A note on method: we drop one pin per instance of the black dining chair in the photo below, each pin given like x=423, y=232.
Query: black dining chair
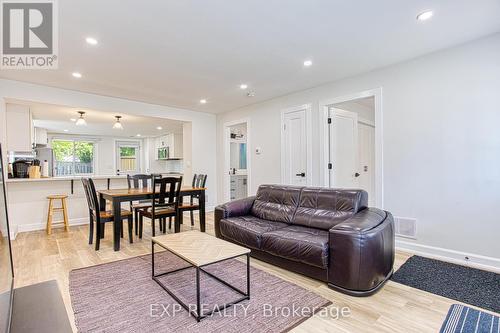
x=139, y=181
x=198, y=181
x=100, y=217
x=164, y=203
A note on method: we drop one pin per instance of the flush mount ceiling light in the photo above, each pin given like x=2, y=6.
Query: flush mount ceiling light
x=243, y=86
x=308, y=63
x=81, y=121
x=159, y=128
x=65, y=130
x=138, y=135
x=203, y=101
x=118, y=124
x=91, y=41
x=77, y=75
x=424, y=16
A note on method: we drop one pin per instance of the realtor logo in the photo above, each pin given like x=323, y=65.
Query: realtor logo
x=29, y=34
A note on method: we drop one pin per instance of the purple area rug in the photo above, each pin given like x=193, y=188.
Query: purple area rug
x=121, y=297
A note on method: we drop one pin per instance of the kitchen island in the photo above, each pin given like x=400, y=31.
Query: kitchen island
x=28, y=205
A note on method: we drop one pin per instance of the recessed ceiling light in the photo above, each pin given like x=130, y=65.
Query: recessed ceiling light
x=243, y=86
x=65, y=130
x=77, y=75
x=203, y=101
x=159, y=128
x=308, y=63
x=424, y=16
x=91, y=40
x=138, y=135
x=73, y=119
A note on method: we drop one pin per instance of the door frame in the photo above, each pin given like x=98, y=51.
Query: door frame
x=379, y=155
x=307, y=108
x=226, y=191
x=132, y=142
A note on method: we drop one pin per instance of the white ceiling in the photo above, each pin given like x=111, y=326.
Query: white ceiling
x=56, y=119
x=177, y=52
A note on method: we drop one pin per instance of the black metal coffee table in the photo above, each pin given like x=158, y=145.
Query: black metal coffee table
x=199, y=250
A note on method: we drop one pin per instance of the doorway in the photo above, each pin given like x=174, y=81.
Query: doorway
x=296, y=150
x=236, y=160
x=352, y=144
x=128, y=157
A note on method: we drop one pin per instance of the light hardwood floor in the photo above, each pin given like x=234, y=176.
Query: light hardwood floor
x=396, y=308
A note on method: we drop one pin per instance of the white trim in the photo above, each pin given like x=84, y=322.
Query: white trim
x=365, y=121
x=379, y=154
x=308, y=108
x=226, y=193
x=455, y=257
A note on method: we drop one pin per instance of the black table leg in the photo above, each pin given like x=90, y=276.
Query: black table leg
x=116, y=223
x=202, y=211
x=198, y=301
x=248, y=275
x=152, y=258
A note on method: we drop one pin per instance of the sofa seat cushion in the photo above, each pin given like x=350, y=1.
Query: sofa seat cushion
x=302, y=244
x=247, y=230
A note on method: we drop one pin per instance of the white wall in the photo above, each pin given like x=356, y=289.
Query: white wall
x=203, y=124
x=441, y=142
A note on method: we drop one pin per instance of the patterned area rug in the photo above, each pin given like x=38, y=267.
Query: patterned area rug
x=121, y=297
x=465, y=284
x=463, y=319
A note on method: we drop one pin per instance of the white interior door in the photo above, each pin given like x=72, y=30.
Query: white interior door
x=344, y=149
x=294, y=148
x=366, y=140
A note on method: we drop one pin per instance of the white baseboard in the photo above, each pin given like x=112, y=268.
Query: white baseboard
x=455, y=257
x=72, y=222
x=41, y=226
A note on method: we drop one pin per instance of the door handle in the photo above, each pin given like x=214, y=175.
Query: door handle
x=356, y=174
x=302, y=174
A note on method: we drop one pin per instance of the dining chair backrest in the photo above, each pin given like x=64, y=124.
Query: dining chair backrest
x=90, y=193
x=199, y=180
x=139, y=181
x=166, y=192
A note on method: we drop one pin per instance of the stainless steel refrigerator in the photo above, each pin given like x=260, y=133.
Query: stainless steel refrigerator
x=46, y=154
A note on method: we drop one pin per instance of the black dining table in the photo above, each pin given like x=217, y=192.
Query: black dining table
x=117, y=196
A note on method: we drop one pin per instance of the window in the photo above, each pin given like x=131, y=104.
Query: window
x=73, y=157
x=127, y=159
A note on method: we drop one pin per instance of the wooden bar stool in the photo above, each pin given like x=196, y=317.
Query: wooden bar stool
x=52, y=209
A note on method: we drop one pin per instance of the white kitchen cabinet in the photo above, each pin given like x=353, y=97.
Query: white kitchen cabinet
x=173, y=142
x=19, y=128
x=41, y=136
x=238, y=186
x=175, y=145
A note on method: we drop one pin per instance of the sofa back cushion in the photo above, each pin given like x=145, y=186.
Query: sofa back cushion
x=324, y=208
x=276, y=202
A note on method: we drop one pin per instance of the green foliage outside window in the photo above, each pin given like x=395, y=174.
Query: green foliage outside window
x=82, y=151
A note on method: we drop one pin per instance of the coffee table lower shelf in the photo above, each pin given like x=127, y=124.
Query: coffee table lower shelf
x=197, y=313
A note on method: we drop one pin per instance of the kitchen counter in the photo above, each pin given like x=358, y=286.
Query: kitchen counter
x=27, y=198
x=69, y=178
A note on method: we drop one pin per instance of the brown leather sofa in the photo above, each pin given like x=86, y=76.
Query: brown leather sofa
x=327, y=234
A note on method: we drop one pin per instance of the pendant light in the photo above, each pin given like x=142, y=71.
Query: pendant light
x=81, y=121
x=118, y=125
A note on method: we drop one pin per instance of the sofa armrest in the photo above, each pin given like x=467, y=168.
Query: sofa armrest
x=361, y=252
x=234, y=208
